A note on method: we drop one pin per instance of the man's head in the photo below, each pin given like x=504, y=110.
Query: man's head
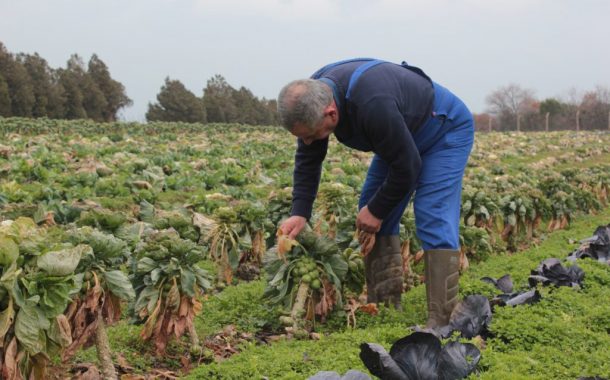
x=307, y=109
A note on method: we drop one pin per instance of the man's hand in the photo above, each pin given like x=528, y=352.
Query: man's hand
x=293, y=225
x=367, y=222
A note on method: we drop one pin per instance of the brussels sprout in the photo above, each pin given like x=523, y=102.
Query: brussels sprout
x=306, y=279
x=196, y=350
x=316, y=284
x=286, y=320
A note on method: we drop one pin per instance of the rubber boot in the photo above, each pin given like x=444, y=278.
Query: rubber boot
x=442, y=278
x=383, y=271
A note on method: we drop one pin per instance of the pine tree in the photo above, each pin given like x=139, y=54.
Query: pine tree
x=41, y=78
x=19, y=84
x=70, y=79
x=5, y=98
x=218, y=101
x=176, y=103
x=113, y=91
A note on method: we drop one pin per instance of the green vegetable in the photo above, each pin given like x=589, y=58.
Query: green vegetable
x=9, y=251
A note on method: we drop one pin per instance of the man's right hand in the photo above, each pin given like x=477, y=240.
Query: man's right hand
x=293, y=226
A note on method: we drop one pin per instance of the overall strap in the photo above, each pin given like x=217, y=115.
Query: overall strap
x=358, y=72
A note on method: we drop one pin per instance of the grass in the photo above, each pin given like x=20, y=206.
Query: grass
x=565, y=336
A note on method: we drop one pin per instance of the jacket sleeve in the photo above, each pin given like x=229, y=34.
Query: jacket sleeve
x=306, y=178
x=392, y=141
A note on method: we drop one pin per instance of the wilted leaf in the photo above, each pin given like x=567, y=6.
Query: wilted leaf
x=10, y=369
x=60, y=331
x=366, y=241
x=369, y=308
x=6, y=319
x=119, y=285
x=285, y=244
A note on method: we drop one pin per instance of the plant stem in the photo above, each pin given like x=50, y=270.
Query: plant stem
x=104, y=354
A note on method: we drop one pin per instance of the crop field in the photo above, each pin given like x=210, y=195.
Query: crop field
x=150, y=251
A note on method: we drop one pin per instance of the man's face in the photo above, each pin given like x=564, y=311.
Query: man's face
x=321, y=131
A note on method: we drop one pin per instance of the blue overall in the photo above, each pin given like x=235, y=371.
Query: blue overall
x=444, y=143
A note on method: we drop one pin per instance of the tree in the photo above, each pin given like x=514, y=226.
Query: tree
x=551, y=106
x=18, y=83
x=511, y=102
x=57, y=97
x=219, y=102
x=113, y=91
x=70, y=79
x=176, y=103
x=595, y=108
x=5, y=98
x=41, y=77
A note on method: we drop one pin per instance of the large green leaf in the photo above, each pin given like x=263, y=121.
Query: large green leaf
x=202, y=277
x=64, y=262
x=30, y=326
x=146, y=264
x=119, y=285
x=9, y=250
x=54, y=296
x=9, y=276
x=339, y=265
x=187, y=281
x=147, y=298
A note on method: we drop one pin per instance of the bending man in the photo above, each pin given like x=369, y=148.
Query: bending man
x=421, y=135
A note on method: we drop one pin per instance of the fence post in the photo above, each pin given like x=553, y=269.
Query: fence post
x=518, y=123
x=489, y=122
x=577, y=120
x=546, y=122
x=609, y=121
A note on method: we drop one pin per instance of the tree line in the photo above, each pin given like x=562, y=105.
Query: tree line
x=513, y=107
x=220, y=103
x=29, y=87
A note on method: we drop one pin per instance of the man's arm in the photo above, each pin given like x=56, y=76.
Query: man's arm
x=392, y=141
x=306, y=178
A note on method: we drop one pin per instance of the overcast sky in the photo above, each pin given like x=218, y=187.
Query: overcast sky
x=471, y=46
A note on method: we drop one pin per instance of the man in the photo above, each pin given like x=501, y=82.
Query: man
x=421, y=135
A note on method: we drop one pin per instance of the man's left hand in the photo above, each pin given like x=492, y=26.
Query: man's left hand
x=367, y=222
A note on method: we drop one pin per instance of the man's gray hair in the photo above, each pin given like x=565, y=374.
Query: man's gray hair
x=303, y=101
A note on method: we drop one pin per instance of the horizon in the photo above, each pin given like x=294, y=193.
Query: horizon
x=472, y=47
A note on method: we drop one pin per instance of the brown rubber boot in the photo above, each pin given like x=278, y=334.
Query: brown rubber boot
x=383, y=271
x=442, y=278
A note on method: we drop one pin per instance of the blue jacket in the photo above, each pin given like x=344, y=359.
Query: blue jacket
x=386, y=105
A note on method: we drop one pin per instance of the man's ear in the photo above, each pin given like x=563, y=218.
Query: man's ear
x=332, y=111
